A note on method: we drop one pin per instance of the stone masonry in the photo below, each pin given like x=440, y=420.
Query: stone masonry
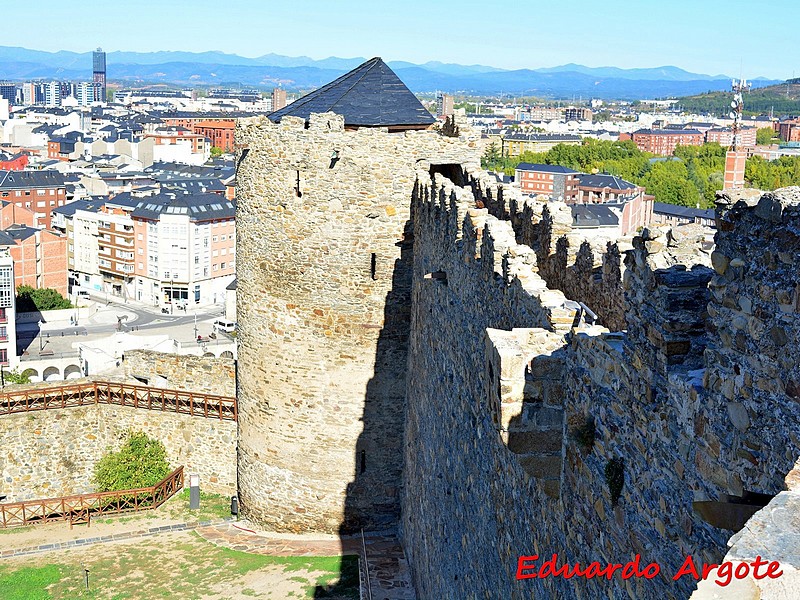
x=428, y=360
x=324, y=274
x=52, y=453
x=648, y=398
x=205, y=374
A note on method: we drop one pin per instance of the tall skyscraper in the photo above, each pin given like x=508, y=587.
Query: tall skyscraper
x=99, y=74
x=8, y=90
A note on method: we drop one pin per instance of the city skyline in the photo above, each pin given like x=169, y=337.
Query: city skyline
x=464, y=33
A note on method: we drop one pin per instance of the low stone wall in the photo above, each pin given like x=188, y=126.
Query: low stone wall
x=181, y=372
x=52, y=453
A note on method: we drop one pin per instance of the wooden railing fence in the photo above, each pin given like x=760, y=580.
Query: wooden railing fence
x=66, y=508
x=122, y=394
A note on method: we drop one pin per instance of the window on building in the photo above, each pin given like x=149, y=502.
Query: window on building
x=3, y=357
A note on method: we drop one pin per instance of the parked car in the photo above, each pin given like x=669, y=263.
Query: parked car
x=224, y=325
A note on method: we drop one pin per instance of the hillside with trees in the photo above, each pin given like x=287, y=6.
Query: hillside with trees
x=781, y=99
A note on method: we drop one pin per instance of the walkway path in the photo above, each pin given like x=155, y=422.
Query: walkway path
x=388, y=569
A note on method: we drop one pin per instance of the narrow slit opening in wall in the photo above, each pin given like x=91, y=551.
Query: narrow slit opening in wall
x=437, y=276
x=373, y=266
x=363, y=465
x=298, y=192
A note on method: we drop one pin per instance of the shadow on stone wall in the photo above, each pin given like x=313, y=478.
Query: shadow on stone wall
x=372, y=503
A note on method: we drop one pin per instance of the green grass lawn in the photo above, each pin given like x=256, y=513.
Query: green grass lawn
x=161, y=568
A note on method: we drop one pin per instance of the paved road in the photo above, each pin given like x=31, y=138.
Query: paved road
x=128, y=316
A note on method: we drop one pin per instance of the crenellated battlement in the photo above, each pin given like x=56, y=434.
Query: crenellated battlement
x=473, y=243
x=645, y=405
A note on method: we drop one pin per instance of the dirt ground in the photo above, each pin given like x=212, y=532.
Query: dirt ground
x=179, y=565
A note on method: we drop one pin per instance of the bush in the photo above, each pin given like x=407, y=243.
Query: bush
x=14, y=376
x=30, y=299
x=141, y=462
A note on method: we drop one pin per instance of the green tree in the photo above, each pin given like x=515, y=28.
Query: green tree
x=30, y=299
x=15, y=376
x=764, y=135
x=491, y=159
x=216, y=151
x=141, y=462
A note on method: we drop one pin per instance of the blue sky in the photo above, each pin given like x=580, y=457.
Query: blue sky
x=696, y=35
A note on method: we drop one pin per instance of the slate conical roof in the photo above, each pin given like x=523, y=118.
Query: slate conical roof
x=371, y=95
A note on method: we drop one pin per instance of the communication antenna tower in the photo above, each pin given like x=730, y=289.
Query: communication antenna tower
x=738, y=86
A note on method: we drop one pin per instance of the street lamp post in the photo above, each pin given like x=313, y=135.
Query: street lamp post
x=171, y=295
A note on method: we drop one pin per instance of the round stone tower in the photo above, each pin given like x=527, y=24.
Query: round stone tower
x=323, y=302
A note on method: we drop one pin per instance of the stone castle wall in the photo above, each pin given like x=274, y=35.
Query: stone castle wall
x=654, y=398
x=587, y=270
x=526, y=431
x=203, y=374
x=52, y=453
x=324, y=271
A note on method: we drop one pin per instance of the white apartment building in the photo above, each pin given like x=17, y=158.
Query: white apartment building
x=8, y=332
x=164, y=249
x=185, y=248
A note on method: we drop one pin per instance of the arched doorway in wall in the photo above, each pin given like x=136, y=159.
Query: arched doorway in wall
x=32, y=375
x=51, y=374
x=72, y=372
x=226, y=354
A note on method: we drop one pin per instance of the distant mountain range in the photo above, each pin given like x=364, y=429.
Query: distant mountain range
x=302, y=73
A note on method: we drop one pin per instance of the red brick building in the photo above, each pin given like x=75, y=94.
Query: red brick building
x=38, y=191
x=40, y=257
x=559, y=183
x=628, y=200
x=16, y=162
x=724, y=137
x=789, y=130
x=10, y=214
x=664, y=141
x=219, y=131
